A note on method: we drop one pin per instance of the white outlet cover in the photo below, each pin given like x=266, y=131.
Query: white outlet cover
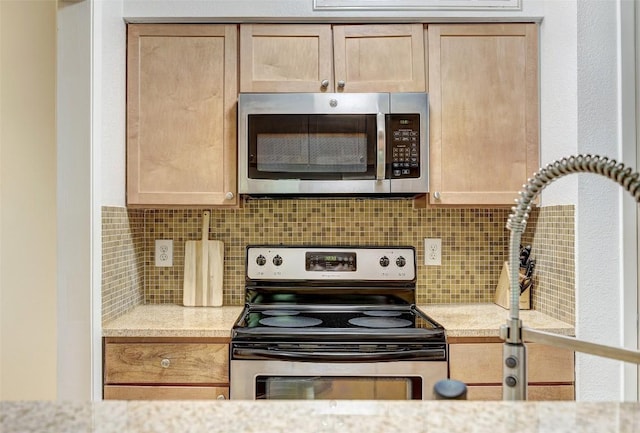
x=164, y=253
x=432, y=252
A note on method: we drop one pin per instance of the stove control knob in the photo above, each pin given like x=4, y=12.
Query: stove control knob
x=384, y=261
x=261, y=260
x=277, y=260
x=401, y=261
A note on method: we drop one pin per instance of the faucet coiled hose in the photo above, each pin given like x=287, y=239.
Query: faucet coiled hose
x=517, y=220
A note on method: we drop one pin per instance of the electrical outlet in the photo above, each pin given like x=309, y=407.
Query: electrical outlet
x=164, y=252
x=432, y=252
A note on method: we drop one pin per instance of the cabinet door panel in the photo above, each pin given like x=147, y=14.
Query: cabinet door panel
x=476, y=363
x=285, y=58
x=380, y=58
x=483, y=88
x=182, y=87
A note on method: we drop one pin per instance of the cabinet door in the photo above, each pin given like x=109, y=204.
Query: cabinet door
x=285, y=58
x=483, y=91
x=181, y=115
x=379, y=58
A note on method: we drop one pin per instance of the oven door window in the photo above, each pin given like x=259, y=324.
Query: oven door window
x=338, y=388
x=312, y=147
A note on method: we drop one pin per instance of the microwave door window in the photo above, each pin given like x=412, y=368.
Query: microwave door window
x=310, y=147
x=277, y=144
x=343, y=145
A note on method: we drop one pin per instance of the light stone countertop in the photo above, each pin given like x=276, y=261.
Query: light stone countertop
x=168, y=320
x=342, y=416
x=484, y=320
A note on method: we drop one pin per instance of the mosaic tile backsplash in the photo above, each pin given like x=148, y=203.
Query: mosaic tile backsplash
x=474, y=246
x=122, y=260
x=551, y=234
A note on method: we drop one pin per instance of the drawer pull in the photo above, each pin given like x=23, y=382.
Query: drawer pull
x=165, y=363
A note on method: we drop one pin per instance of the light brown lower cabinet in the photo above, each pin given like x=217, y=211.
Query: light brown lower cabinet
x=550, y=370
x=166, y=369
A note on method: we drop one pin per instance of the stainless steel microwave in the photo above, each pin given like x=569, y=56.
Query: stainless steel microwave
x=336, y=144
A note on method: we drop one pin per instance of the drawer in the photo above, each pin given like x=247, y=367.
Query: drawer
x=129, y=392
x=166, y=363
x=482, y=363
x=535, y=392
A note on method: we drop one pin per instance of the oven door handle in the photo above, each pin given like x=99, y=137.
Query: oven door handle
x=426, y=354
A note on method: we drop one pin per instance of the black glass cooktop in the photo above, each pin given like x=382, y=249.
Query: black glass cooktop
x=339, y=322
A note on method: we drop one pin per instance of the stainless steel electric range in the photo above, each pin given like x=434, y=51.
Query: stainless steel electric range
x=334, y=323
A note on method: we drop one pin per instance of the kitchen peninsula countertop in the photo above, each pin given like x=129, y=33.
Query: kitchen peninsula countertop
x=318, y=416
x=168, y=320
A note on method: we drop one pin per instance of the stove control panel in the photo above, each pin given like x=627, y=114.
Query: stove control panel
x=334, y=263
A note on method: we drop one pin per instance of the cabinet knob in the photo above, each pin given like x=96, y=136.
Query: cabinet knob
x=221, y=397
x=229, y=196
x=341, y=84
x=165, y=363
x=324, y=84
x=436, y=195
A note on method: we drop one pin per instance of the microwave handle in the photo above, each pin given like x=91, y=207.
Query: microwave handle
x=381, y=153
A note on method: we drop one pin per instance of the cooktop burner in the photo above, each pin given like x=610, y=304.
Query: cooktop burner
x=290, y=321
x=379, y=322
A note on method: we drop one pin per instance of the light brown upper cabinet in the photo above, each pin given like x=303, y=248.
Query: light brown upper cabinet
x=483, y=91
x=326, y=58
x=181, y=114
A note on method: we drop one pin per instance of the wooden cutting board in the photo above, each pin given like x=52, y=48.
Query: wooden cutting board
x=203, y=270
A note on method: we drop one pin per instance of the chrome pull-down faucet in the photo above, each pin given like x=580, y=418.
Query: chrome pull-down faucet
x=514, y=385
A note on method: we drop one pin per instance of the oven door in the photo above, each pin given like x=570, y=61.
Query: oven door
x=270, y=380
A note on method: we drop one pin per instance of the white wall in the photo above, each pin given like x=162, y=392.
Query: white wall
x=28, y=200
x=110, y=40
x=579, y=113
x=558, y=95
x=598, y=215
x=78, y=296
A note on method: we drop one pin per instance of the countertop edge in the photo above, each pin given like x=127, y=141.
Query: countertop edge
x=171, y=320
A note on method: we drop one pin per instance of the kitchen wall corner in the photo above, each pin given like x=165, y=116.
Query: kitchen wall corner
x=122, y=260
x=551, y=234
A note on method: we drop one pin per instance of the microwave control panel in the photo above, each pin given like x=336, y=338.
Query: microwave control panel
x=403, y=146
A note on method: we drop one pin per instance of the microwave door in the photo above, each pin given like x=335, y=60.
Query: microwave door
x=315, y=154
